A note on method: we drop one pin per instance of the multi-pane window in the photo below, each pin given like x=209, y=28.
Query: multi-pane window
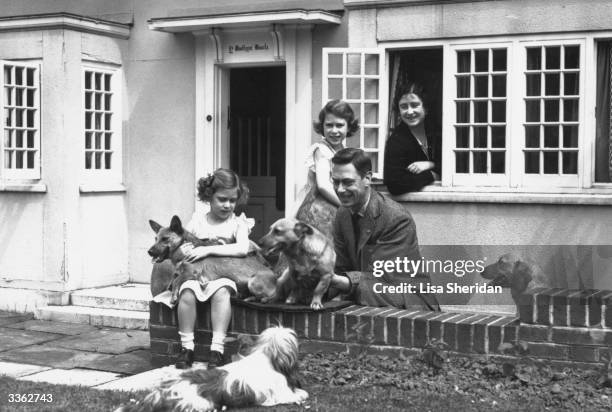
x=355, y=76
x=552, y=97
x=21, y=126
x=99, y=123
x=480, y=105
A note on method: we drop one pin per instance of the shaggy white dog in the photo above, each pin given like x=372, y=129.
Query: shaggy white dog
x=267, y=377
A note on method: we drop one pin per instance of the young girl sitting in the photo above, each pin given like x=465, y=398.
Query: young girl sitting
x=222, y=190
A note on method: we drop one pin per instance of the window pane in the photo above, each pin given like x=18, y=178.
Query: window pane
x=88, y=140
x=499, y=86
x=19, y=138
x=532, y=110
x=30, y=159
x=463, y=61
x=98, y=101
x=30, y=117
x=570, y=163
x=551, y=163
x=19, y=96
x=8, y=74
x=570, y=86
x=572, y=57
x=334, y=64
x=8, y=159
x=533, y=84
x=30, y=76
x=107, y=100
x=480, y=136
x=498, y=111
x=353, y=63
x=480, y=162
x=462, y=137
x=88, y=76
x=88, y=160
x=8, y=137
x=98, y=81
x=498, y=136
x=371, y=113
x=107, y=160
x=551, y=110
x=532, y=162
x=30, y=97
x=481, y=112
x=552, y=86
x=98, y=160
x=371, y=64
x=107, y=121
x=553, y=57
x=462, y=160
x=19, y=76
x=371, y=88
x=570, y=110
x=31, y=137
x=19, y=118
x=498, y=162
x=370, y=137
x=551, y=136
x=88, y=121
x=481, y=60
x=18, y=160
x=374, y=158
x=463, y=112
x=570, y=136
x=532, y=136
x=8, y=96
x=356, y=109
x=534, y=58
x=463, y=86
x=88, y=98
x=353, y=89
x=481, y=86
x=107, y=141
x=334, y=89
x=499, y=60
x=98, y=141
x=107, y=82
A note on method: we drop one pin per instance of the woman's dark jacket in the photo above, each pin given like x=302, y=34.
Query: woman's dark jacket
x=401, y=150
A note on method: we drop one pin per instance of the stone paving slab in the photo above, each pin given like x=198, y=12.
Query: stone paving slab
x=82, y=377
x=127, y=363
x=107, y=341
x=15, y=370
x=17, y=338
x=7, y=318
x=52, y=356
x=147, y=380
x=63, y=328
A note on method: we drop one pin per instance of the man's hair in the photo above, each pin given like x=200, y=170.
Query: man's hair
x=356, y=157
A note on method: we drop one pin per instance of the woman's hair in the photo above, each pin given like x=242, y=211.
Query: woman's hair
x=222, y=179
x=411, y=88
x=338, y=108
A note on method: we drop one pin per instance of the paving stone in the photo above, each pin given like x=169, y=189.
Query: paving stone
x=82, y=377
x=63, y=328
x=16, y=338
x=127, y=363
x=147, y=380
x=15, y=370
x=47, y=355
x=107, y=341
x=8, y=318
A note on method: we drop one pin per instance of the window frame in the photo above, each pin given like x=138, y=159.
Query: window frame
x=586, y=159
x=115, y=173
x=35, y=172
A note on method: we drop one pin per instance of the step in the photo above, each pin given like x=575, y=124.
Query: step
x=116, y=318
x=130, y=296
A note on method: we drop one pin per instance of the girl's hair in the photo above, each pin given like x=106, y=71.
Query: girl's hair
x=222, y=179
x=338, y=108
x=411, y=88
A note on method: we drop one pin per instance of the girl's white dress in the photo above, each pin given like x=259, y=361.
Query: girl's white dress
x=226, y=232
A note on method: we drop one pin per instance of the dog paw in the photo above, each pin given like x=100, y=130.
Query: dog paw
x=301, y=395
x=316, y=305
x=290, y=300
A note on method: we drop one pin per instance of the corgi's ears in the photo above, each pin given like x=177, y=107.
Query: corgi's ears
x=154, y=225
x=302, y=229
x=176, y=225
x=521, y=275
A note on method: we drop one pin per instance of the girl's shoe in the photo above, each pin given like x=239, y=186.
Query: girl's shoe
x=185, y=359
x=215, y=359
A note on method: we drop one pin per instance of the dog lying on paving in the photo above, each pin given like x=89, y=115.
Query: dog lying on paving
x=310, y=257
x=520, y=276
x=251, y=274
x=266, y=377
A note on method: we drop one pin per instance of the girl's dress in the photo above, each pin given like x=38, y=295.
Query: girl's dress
x=315, y=209
x=226, y=233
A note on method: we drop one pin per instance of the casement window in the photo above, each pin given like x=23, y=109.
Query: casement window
x=102, y=131
x=20, y=146
x=514, y=113
x=356, y=76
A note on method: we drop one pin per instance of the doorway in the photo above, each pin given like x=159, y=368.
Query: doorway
x=256, y=124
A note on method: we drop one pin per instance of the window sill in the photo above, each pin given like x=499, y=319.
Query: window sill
x=102, y=188
x=436, y=193
x=23, y=187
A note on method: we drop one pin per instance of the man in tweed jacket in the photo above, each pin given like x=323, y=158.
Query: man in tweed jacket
x=370, y=228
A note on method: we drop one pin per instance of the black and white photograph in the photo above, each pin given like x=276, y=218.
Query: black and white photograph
x=291, y=205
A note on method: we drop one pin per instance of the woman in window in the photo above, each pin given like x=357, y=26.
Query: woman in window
x=336, y=122
x=412, y=152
